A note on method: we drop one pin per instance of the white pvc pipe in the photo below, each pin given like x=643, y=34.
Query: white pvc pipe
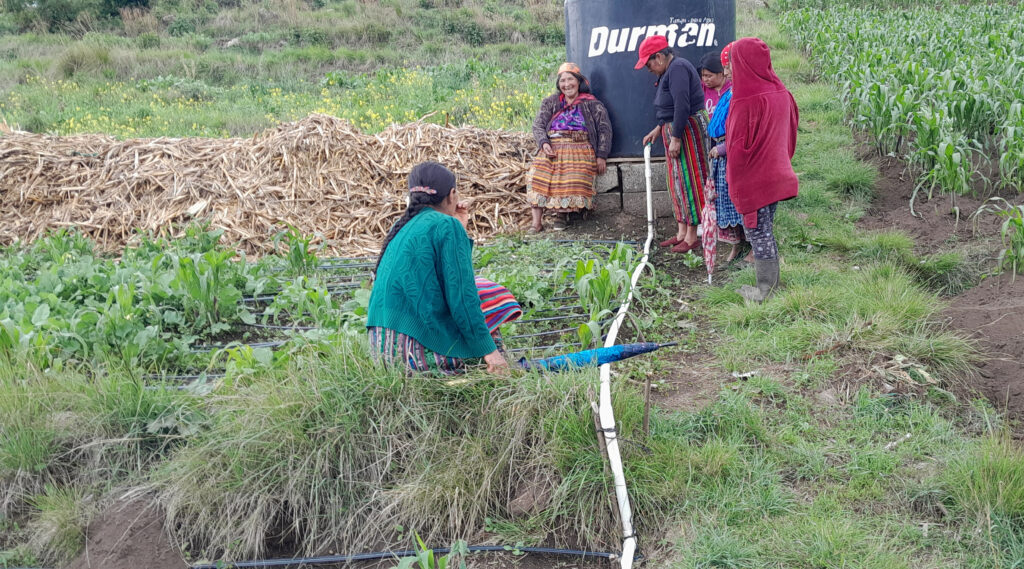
x=606, y=414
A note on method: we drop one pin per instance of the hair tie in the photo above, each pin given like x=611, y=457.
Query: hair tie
x=422, y=189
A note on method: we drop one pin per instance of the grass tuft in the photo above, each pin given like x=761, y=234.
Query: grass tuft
x=336, y=444
x=853, y=179
x=990, y=481
x=58, y=529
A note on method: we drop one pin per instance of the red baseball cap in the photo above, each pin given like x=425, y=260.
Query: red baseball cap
x=726, y=51
x=649, y=47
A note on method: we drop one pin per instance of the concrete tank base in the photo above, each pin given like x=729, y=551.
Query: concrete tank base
x=623, y=188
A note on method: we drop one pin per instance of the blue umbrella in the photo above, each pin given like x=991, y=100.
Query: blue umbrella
x=595, y=357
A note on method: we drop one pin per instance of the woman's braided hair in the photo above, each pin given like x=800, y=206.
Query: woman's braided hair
x=429, y=184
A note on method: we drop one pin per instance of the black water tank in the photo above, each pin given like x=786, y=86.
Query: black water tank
x=602, y=37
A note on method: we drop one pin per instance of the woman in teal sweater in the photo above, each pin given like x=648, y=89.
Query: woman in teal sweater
x=424, y=310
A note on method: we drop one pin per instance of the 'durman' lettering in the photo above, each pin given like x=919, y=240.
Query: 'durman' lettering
x=604, y=40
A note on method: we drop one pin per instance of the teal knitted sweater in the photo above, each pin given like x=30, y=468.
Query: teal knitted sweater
x=425, y=288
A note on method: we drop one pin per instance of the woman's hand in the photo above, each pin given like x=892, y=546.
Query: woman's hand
x=548, y=151
x=675, y=145
x=602, y=165
x=462, y=214
x=714, y=152
x=496, y=363
x=653, y=135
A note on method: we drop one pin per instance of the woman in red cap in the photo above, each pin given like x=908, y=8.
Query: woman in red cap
x=574, y=137
x=760, y=143
x=682, y=126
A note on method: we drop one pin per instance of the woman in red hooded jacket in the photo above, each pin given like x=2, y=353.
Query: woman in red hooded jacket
x=760, y=144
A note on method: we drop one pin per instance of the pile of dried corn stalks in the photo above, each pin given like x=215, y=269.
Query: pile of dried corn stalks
x=319, y=175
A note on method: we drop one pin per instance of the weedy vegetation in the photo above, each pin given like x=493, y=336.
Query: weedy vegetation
x=241, y=395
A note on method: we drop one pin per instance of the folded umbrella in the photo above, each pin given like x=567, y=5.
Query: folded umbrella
x=595, y=357
x=709, y=222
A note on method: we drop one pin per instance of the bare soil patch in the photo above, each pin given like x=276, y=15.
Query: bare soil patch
x=993, y=314
x=941, y=222
x=691, y=384
x=993, y=311
x=128, y=535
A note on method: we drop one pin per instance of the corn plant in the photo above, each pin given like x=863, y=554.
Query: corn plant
x=209, y=293
x=601, y=287
x=1012, y=232
x=946, y=98
x=426, y=559
x=1011, y=149
x=300, y=254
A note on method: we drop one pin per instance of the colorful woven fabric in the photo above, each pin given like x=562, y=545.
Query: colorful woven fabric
x=397, y=349
x=498, y=304
x=687, y=172
x=727, y=214
x=569, y=119
x=565, y=182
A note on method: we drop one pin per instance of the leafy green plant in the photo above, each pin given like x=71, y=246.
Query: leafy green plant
x=1012, y=232
x=946, y=103
x=210, y=295
x=426, y=559
x=300, y=255
x=600, y=285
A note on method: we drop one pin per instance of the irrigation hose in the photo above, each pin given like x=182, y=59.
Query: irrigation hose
x=399, y=554
x=606, y=413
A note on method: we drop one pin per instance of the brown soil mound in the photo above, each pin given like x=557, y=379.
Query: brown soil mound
x=128, y=536
x=319, y=175
x=940, y=222
x=993, y=312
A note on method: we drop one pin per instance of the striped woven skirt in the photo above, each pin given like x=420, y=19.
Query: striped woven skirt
x=566, y=182
x=688, y=171
x=730, y=223
x=498, y=304
x=398, y=349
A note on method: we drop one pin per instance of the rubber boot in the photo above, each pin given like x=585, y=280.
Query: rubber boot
x=767, y=281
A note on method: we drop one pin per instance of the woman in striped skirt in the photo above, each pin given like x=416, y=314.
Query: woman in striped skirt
x=682, y=127
x=427, y=311
x=574, y=137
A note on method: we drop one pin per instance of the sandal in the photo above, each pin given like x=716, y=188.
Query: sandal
x=670, y=242
x=534, y=230
x=684, y=247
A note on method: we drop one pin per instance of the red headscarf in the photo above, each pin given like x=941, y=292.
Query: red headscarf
x=761, y=129
x=725, y=54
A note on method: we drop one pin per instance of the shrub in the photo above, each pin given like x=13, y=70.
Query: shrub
x=137, y=21
x=83, y=57
x=462, y=23
x=148, y=40
x=310, y=36
x=55, y=14
x=113, y=7
x=550, y=34
x=8, y=24
x=181, y=26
